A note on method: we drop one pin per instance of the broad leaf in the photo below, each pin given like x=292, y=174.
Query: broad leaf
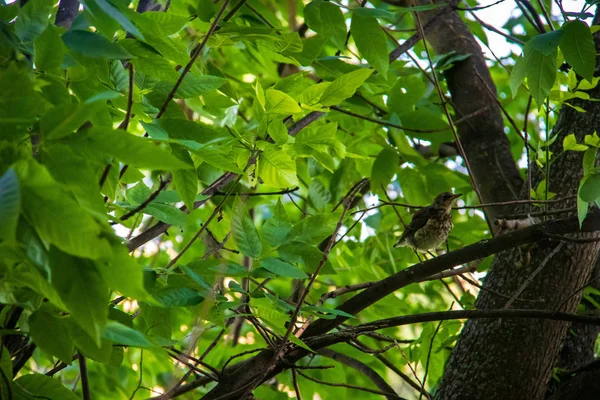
x=282, y=268
x=244, y=232
x=36, y=386
x=344, y=87
x=577, y=45
x=370, y=41
x=384, y=168
x=51, y=334
x=276, y=168
x=124, y=335
x=93, y=45
x=82, y=290
x=280, y=103
x=277, y=226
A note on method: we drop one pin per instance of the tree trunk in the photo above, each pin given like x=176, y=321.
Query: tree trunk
x=514, y=359
x=474, y=93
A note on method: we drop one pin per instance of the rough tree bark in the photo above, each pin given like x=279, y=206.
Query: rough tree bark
x=472, y=89
x=514, y=359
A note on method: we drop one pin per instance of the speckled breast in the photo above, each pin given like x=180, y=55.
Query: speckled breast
x=433, y=234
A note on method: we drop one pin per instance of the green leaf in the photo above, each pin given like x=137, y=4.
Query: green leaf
x=577, y=45
x=39, y=386
x=590, y=189
x=133, y=150
x=33, y=19
x=197, y=85
x=82, y=290
x=518, y=74
x=384, y=168
x=592, y=140
x=314, y=229
x=186, y=180
x=44, y=202
x=93, y=45
x=582, y=206
x=282, y=268
x=276, y=168
x=281, y=103
x=244, y=232
x=278, y=132
x=319, y=195
x=168, y=214
x=156, y=321
x=277, y=226
x=205, y=10
x=195, y=277
x=312, y=94
x=10, y=204
x=118, y=16
x=178, y=297
x=344, y=87
x=332, y=25
x=370, y=41
x=51, y=334
x=546, y=43
x=49, y=50
x=124, y=335
x=541, y=74
x=89, y=347
x=64, y=119
x=308, y=255
x=124, y=274
x=570, y=143
x=405, y=94
x=538, y=64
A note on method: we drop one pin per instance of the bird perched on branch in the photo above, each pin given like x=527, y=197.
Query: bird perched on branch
x=431, y=225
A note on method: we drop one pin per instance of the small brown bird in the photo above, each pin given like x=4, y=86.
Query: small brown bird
x=431, y=225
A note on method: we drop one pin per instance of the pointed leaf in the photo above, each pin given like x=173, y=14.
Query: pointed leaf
x=370, y=41
x=577, y=45
x=281, y=103
x=277, y=226
x=282, y=268
x=93, y=45
x=277, y=169
x=124, y=335
x=244, y=232
x=344, y=87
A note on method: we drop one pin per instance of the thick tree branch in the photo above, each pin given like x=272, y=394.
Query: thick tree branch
x=240, y=375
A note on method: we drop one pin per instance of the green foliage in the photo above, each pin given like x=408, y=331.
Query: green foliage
x=109, y=139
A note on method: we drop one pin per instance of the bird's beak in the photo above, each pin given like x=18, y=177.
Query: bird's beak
x=456, y=196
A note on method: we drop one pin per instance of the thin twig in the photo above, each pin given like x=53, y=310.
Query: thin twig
x=533, y=275
x=348, y=386
x=437, y=329
x=385, y=123
x=153, y=195
x=251, y=194
x=139, y=385
x=203, y=227
x=576, y=291
x=343, y=290
x=459, y=146
x=484, y=205
x=195, y=54
x=85, y=383
x=296, y=387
